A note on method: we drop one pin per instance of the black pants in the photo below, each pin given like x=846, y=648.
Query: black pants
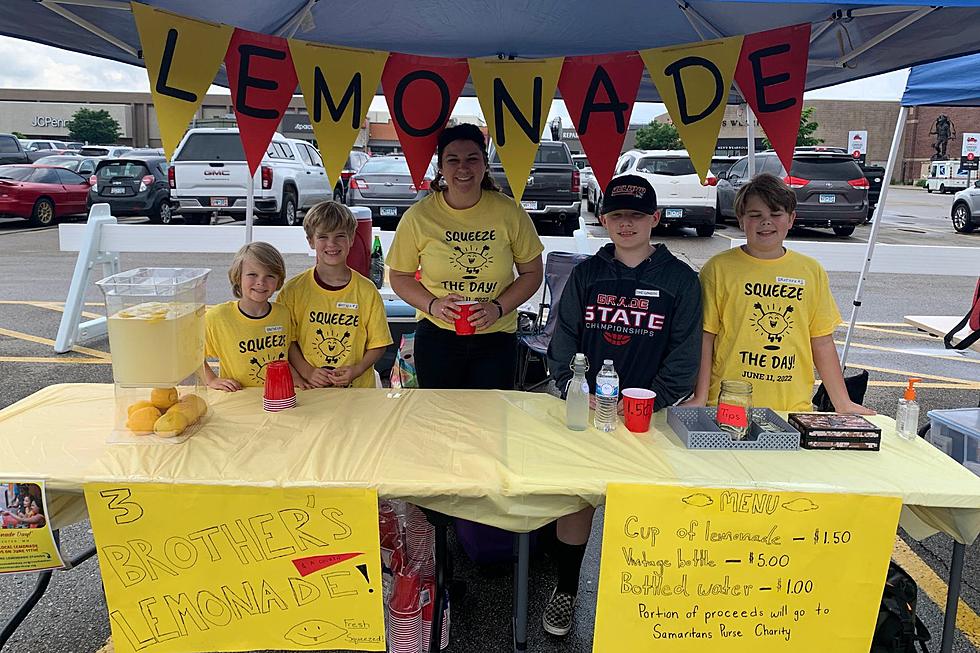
x=444, y=360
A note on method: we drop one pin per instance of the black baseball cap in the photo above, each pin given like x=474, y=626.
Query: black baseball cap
x=631, y=193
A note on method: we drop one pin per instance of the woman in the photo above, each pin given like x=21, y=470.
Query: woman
x=468, y=237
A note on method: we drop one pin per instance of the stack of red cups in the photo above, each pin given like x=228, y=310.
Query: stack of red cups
x=280, y=393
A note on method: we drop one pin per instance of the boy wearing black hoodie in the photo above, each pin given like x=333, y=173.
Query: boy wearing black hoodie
x=640, y=306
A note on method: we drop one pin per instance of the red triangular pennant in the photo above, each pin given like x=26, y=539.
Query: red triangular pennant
x=599, y=92
x=771, y=74
x=263, y=80
x=421, y=93
x=308, y=565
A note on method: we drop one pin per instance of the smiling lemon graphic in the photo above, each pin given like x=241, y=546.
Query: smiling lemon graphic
x=314, y=632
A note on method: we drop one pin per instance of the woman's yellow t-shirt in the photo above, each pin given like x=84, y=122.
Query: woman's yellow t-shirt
x=470, y=252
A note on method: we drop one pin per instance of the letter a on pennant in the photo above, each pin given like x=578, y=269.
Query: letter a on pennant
x=338, y=86
x=182, y=56
x=421, y=93
x=771, y=73
x=599, y=93
x=693, y=81
x=515, y=97
x=262, y=79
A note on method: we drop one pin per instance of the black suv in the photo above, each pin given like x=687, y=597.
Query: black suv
x=553, y=193
x=831, y=190
x=133, y=186
x=11, y=151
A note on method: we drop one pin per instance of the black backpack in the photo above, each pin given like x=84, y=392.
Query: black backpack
x=898, y=628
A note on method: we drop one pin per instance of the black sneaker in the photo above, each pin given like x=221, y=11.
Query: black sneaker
x=558, y=613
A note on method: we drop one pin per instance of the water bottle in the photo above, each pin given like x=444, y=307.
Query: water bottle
x=606, y=397
x=377, y=263
x=577, y=399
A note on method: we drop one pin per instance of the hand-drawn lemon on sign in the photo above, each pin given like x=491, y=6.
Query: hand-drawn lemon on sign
x=314, y=632
x=698, y=500
x=800, y=505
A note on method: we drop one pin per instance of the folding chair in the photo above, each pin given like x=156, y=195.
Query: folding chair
x=536, y=339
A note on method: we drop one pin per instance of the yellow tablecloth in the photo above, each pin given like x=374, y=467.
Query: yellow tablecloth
x=502, y=458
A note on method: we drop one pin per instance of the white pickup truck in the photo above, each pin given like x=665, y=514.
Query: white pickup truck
x=209, y=177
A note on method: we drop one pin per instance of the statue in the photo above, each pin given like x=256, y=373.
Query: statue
x=556, y=128
x=945, y=131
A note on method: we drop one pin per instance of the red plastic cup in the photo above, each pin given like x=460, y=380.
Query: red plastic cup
x=278, y=382
x=463, y=326
x=637, y=408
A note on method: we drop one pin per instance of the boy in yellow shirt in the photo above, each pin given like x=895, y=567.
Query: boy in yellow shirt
x=248, y=334
x=337, y=314
x=769, y=316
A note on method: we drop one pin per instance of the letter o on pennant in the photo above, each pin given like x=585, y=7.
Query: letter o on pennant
x=399, y=103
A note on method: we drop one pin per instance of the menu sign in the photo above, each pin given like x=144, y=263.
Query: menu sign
x=695, y=569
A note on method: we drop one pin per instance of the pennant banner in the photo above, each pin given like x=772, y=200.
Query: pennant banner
x=599, y=93
x=515, y=97
x=338, y=86
x=421, y=93
x=182, y=56
x=693, y=81
x=771, y=73
x=262, y=79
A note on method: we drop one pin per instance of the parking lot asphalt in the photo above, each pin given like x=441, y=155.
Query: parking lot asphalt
x=34, y=279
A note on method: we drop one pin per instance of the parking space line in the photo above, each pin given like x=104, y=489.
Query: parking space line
x=934, y=386
x=45, y=341
x=60, y=308
x=67, y=359
x=894, y=350
x=935, y=588
x=966, y=384
x=906, y=334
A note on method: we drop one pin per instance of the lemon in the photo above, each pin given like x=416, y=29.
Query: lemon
x=170, y=425
x=139, y=404
x=163, y=398
x=195, y=404
x=141, y=421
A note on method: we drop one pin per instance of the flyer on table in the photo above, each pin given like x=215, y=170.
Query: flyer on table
x=222, y=568
x=709, y=569
x=26, y=540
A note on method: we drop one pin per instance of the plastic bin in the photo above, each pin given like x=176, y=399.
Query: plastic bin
x=957, y=433
x=155, y=321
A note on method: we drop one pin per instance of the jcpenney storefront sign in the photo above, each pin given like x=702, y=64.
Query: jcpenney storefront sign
x=49, y=121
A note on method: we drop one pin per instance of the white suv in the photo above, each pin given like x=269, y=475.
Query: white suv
x=209, y=176
x=681, y=198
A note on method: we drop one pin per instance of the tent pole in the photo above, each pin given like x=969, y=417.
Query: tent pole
x=875, y=225
x=249, y=209
x=750, y=138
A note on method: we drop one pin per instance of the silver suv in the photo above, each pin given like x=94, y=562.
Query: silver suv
x=966, y=209
x=831, y=190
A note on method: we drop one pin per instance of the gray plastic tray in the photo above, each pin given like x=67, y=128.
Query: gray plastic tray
x=697, y=429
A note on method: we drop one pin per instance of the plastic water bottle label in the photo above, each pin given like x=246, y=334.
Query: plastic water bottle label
x=607, y=390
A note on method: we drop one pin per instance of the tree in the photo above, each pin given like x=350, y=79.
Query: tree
x=805, y=135
x=19, y=135
x=658, y=136
x=91, y=126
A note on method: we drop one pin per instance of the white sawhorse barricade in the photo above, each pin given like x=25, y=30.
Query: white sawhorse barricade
x=102, y=239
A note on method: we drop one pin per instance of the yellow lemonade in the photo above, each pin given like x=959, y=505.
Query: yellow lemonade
x=156, y=342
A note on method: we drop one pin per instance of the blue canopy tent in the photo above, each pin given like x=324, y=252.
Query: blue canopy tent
x=950, y=83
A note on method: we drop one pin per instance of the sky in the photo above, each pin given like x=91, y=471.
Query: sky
x=35, y=66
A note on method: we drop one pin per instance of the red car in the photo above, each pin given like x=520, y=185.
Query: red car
x=41, y=194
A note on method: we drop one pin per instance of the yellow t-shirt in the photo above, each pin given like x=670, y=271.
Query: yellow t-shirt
x=335, y=327
x=471, y=251
x=245, y=345
x=763, y=314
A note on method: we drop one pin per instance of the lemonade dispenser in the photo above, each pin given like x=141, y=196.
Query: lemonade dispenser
x=155, y=320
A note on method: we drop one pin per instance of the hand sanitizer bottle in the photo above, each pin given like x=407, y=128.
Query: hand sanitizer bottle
x=907, y=417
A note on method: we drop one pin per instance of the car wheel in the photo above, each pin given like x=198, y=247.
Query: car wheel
x=338, y=196
x=705, y=230
x=843, y=230
x=43, y=213
x=942, y=189
x=162, y=213
x=287, y=214
x=962, y=220
x=929, y=189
